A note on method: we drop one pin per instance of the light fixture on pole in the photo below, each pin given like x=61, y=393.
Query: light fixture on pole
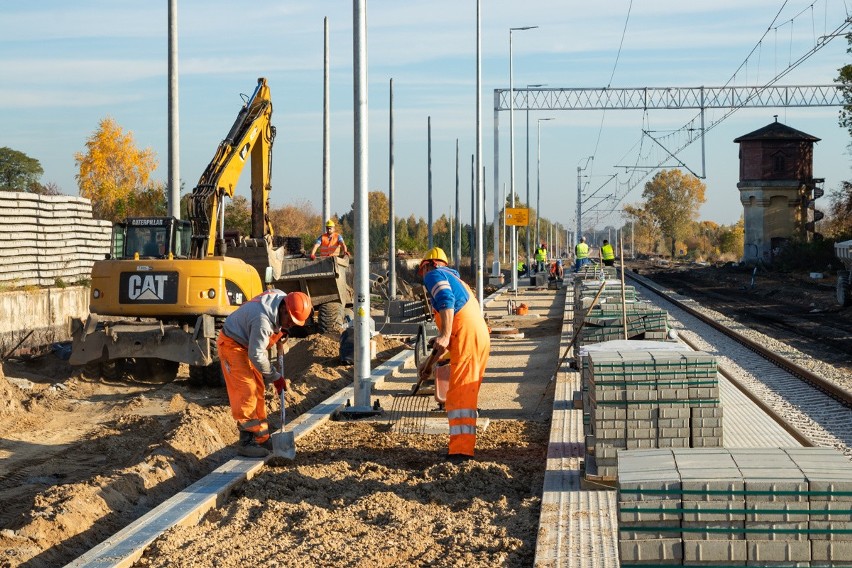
x=514, y=243
x=527, y=232
x=538, y=178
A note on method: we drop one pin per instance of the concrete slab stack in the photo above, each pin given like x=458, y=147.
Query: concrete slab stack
x=736, y=507
x=595, y=272
x=586, y=290
x=642, y=399
x=605, y=320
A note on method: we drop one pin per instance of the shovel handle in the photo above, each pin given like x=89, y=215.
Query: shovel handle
x=283, y=408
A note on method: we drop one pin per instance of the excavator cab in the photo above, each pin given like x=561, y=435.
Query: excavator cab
x=151, y=237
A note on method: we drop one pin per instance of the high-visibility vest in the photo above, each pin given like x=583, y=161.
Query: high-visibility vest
x=541, y=254
x=521, y=266
x=329, y=244
x=607, y=253
x=581, y=250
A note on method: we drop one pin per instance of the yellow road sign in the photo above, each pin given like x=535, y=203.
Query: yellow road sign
x=518, y=216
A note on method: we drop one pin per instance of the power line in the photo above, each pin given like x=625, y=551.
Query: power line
x=611, y=75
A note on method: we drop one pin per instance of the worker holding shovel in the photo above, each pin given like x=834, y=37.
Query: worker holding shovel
x=463, y=332
x=244, y=344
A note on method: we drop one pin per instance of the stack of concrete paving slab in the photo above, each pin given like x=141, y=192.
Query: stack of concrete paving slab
x=605, y=322
x=618, y=346
x=595, y=272
x=586, y=290
x=640, y=399
x=735, y=507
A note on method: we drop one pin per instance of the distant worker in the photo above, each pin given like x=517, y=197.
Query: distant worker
x=244, y=343
x=329, y=242
x=556, y=272
x=607, y=254
x=540, y=257
x=463, y=332
x=581, y=254
x=522, y=268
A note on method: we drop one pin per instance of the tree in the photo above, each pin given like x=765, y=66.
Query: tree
x=49, y=188
x=113, y=170
x=844, y=77
x=732, y=239
x=645, y=234
x=238, y=215
x=672, y=200
x=297, y=219
x=18, y=172
x=838, y=222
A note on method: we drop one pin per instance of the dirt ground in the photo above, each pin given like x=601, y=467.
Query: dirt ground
x=80, y=460
x=794, y=308
x=359, y=495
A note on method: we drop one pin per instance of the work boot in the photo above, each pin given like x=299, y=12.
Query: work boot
x=249, y=448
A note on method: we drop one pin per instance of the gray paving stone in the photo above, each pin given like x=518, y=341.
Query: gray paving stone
x=778, y=551
x=656, y=550
x=839, y=553
x=714, y=551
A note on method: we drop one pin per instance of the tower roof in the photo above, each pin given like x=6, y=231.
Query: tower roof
x=776, y=131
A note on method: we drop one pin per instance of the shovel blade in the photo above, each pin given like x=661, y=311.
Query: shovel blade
x=283, y=445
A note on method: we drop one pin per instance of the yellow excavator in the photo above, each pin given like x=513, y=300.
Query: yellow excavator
x=163, y=292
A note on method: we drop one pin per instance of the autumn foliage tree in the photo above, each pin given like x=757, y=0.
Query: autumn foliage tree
x=671, y=202
x=116, y=175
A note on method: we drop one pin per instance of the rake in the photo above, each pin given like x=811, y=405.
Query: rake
x=408, y=412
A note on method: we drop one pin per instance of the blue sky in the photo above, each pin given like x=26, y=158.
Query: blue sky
x=66, y=65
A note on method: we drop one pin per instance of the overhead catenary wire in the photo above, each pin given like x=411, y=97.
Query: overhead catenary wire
x=640, y=173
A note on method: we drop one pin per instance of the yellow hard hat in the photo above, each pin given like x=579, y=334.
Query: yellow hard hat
x=436, y=253
x=432, y=255
x=329, y=223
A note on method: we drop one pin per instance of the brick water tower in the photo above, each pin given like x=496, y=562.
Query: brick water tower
x=777, y=188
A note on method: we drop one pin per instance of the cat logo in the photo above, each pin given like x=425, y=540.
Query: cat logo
x=148, y=287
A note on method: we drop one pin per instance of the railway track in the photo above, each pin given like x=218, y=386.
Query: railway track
x=812, y=400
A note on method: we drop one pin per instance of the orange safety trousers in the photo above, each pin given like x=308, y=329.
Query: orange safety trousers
x=245, y=387
x=469, y=348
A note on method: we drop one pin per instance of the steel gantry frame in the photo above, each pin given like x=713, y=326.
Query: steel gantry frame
x=656, y=98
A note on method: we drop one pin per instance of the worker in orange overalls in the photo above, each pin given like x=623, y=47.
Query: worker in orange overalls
x=329, y=242
x=461, y=331
x=244, y=344
x=556, y=272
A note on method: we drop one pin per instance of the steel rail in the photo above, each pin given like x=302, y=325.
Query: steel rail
x=833, y=390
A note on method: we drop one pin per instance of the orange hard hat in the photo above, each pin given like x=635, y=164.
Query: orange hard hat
x=298, y=306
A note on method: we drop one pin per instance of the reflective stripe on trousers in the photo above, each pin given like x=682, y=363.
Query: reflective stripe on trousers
x=245, y=388
x=469, y=348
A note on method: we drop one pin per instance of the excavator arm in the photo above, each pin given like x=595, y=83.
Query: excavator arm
x=251, y=137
